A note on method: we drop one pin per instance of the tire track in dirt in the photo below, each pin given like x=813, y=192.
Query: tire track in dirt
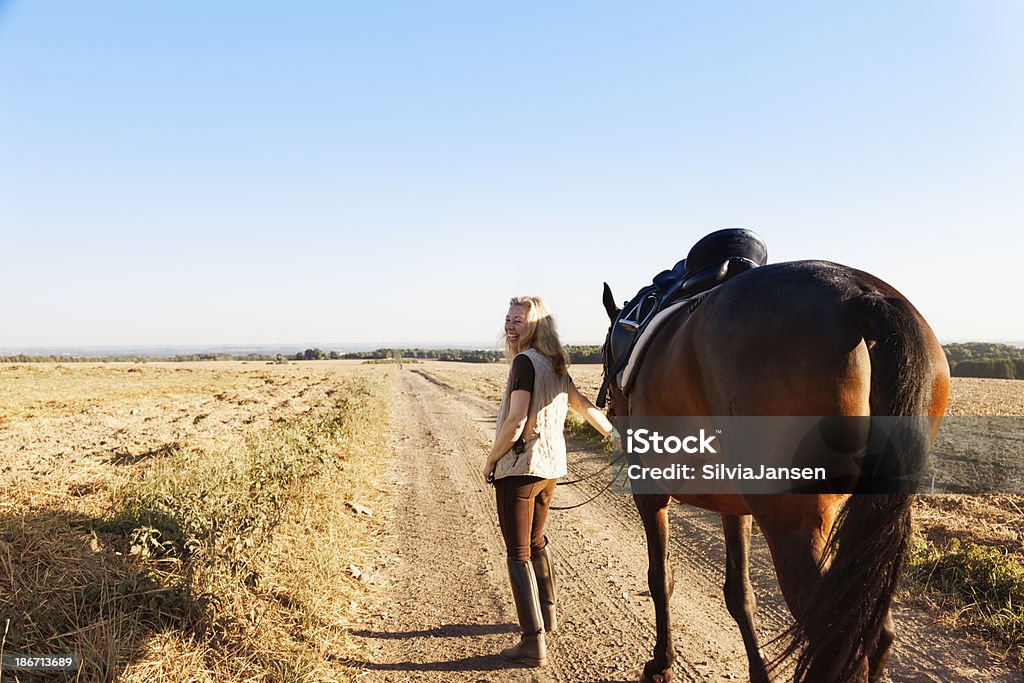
x=444, y=607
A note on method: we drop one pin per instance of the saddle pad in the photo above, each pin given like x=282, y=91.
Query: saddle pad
x=641, y=344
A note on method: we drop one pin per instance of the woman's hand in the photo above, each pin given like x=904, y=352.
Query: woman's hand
x=615, y=439
x=488, y=471
x=510, y=431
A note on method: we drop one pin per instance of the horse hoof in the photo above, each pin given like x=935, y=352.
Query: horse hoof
x=657, y=678
x=664, y=676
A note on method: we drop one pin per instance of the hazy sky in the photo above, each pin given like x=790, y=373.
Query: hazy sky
x=229, y=172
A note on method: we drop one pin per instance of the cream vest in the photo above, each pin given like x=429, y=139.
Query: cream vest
x=544, y=455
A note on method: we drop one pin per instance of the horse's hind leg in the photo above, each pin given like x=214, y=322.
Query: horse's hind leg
x=739, y=594
x=653, y=511
x=878, y=658
x=796, y=528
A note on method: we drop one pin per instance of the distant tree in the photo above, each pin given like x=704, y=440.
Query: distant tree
x=996, y=368
x=584, y=354
x=974, y=350
x=984, y=359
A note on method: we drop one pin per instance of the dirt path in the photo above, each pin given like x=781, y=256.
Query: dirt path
x=443, y=606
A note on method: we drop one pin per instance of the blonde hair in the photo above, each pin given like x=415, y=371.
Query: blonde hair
x=540, y=333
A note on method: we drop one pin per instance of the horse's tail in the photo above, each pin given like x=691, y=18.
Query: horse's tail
x=841, y=622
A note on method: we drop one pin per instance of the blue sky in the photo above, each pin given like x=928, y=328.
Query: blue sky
x=205, y=173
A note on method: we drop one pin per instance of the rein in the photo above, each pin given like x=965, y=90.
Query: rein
x=609, y=371
x=620, y=456
x=601, y=396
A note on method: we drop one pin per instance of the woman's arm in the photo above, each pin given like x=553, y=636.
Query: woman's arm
x=587, y=410
x=511, y=429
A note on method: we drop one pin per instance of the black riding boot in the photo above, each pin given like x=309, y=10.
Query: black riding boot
x=545, y=573
x=531, y=649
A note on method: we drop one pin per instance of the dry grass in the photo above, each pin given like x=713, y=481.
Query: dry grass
x=164, y=546
x=967, y=558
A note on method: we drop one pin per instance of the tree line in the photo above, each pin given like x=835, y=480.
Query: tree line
x=457, y=355
x=178, y=358
x=577, y=354
x=970, y=359
x=983, y=359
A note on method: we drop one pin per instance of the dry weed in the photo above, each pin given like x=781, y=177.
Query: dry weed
x=218, y=555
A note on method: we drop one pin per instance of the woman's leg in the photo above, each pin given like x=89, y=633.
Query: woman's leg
x=540, y=554
x=515, y=499
x=543, y=492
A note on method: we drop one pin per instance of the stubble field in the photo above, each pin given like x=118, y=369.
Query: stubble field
x=189, y=521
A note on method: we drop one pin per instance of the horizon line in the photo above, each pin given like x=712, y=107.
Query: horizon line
x=55, y=349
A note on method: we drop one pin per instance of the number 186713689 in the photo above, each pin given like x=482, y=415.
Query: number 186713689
x=48, y=662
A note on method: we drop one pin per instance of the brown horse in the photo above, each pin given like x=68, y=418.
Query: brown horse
x=807, y=338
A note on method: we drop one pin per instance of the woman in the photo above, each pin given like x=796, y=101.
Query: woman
x=526, y=460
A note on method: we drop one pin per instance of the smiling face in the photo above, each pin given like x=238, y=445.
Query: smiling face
x=515, y=326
